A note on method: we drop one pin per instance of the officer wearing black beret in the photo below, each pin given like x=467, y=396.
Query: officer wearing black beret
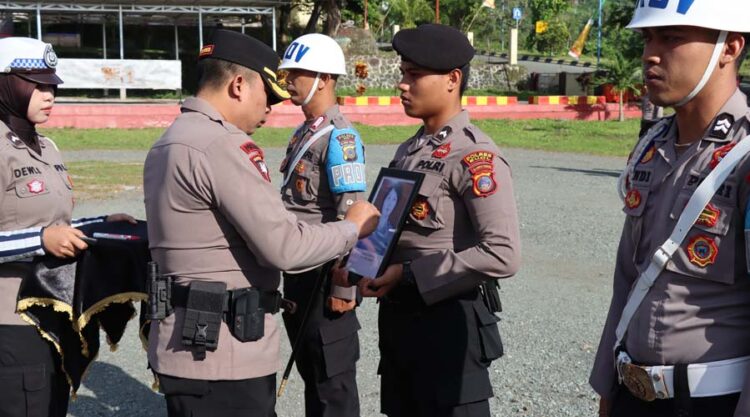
x=216, y=225
x=437, y=327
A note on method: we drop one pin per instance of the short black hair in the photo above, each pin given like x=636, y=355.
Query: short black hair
x=214, y=73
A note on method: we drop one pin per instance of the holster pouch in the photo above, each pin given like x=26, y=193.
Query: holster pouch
x=491, y=296
x=159, y=294
x=246, y=317
x=203, y=315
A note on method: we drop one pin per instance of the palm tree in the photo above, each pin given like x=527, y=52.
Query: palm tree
x=624, y=75
x=409, y=12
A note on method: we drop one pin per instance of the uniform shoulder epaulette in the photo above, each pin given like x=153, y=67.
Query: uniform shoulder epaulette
x=340, y=122
x=476, y=134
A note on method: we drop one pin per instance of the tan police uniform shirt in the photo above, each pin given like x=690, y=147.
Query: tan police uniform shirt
x=699, y=308
x=37, y=192
x=307, y=193
x=463, y=228
x=213, y=215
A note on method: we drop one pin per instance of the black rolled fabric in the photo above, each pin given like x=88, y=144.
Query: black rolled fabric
x=69, y=301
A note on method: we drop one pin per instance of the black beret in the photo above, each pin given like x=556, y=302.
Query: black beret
x=249, y=52
x=433, y=46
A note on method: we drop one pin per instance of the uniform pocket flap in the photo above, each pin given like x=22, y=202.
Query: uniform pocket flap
x=31, y=187
x=470, y=388
x=429, y=184
x=34, y=378
x=339, y=329
x=715, y=218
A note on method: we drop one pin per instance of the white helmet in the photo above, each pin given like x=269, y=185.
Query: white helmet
x=315, y=52
x=730, y=16
x=29, y=58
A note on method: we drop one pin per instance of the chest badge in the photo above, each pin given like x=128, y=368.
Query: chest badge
x=649, y=155
x=420, y=209
x=35, y=186
x=709, y=217
x=719, y=154
x=300, y=168
x=442, y=151
x=702, y=251
x=300, y=185
x=633, y=199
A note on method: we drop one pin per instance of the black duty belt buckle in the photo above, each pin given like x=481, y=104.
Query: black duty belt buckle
x=638, y=381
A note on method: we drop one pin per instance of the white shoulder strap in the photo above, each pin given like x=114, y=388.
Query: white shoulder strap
x=310, y=142
x=690, y=214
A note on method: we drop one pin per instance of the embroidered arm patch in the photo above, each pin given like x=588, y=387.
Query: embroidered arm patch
x=481, y=165
x=345, y=162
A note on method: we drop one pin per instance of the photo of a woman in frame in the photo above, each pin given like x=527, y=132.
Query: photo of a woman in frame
x=368, y=253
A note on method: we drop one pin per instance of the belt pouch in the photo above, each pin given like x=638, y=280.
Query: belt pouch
x=159, y=294
x=246, y=317
x=203, y=315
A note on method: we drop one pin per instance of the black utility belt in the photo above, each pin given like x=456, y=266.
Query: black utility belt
x=270, y=301
x=207, y=304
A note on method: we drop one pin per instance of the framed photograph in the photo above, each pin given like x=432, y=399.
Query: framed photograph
x=393, y=194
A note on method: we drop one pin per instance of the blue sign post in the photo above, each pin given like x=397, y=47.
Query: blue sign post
x=517, y=15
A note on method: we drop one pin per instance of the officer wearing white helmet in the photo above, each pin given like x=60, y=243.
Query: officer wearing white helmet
x=677, y=336
x=324, y=173
x=36, y=205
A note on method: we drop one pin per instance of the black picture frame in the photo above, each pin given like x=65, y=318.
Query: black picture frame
x=369, y=256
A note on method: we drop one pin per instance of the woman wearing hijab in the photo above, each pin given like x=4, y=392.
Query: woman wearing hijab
x=36, y=206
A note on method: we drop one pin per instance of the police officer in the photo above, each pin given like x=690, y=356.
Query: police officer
x=323, y=175
x=437, y=335
x=36, y=205
x=219, y=228
x=677, y=336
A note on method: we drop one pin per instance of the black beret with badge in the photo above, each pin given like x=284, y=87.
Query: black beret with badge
x=249, y=52
x=435, y=47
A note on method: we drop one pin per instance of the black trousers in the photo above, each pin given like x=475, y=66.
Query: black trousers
x=626, y=405
x=255, y=397
x=31, y=380
x=328, y=351
x=434, y=359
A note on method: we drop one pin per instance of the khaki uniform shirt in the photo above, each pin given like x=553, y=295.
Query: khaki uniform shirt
x=213, y=215
x=463, y=228
x=37, y=192
x=310, y=192
x=699, y=308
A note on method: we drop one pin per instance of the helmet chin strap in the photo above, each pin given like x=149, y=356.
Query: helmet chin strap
x=312, y=90
x=718, y=48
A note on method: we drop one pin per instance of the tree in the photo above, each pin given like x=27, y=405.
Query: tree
x=624, y=75
x=557, y=36
x=410, y=13
x=332, y=9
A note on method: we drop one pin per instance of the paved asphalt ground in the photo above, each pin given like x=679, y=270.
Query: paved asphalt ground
x=554, y=307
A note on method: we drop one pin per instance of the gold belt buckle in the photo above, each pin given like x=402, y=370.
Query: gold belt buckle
x=638, y=382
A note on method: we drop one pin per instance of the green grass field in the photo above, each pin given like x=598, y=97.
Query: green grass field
x=609, y=138
x=97, y=180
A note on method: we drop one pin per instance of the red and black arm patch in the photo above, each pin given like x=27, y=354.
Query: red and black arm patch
x=481, y=166
x=255, y=154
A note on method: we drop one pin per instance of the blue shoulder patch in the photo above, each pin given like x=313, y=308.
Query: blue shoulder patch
x=345, y=162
